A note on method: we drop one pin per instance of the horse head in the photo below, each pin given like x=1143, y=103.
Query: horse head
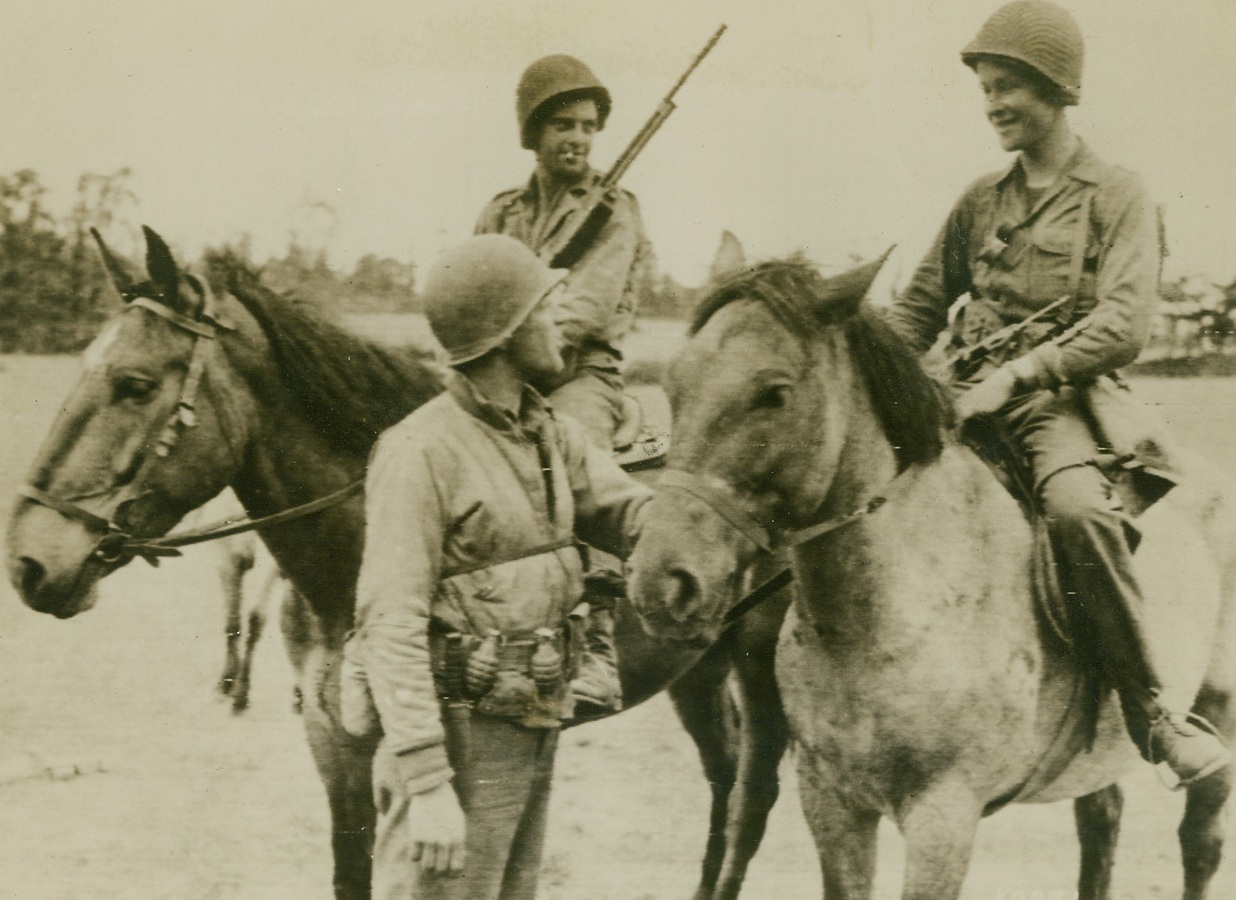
x=763, y=396
x=146, y=435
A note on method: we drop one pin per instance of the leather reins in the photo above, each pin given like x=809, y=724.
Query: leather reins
x=767, y=538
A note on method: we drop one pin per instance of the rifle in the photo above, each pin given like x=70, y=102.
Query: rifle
x=581, y=227
x=966, y=361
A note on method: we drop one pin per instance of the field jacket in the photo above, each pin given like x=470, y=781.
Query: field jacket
x=604, y=289
x=1013, y=257
x=455, y=486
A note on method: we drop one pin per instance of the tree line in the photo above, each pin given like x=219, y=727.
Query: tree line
x=54, y=292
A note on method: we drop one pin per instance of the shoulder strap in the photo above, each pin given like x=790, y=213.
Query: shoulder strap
x=539, y=549
x=1078, y=260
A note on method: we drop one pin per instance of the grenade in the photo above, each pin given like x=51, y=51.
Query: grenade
x=482, y=670
x=546, y=663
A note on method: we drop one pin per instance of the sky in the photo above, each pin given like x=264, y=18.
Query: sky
x=835, y=128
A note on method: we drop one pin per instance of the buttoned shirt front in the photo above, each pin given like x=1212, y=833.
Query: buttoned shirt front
x=1013, y=254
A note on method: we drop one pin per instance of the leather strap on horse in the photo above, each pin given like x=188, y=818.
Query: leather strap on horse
x=763, y=537
x=66, y=508
x=167, y=545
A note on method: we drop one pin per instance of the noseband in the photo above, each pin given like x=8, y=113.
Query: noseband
x=768, y=538
x=112, y=546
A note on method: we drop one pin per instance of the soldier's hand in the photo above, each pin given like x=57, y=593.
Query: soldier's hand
x=988, y=395
x=437, y=823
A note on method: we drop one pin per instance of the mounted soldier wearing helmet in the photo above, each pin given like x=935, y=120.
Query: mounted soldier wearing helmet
x=468, y=632
x=560, y=105
x=1058, y=256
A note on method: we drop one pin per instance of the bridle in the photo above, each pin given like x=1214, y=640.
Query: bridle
x=116, y=546
x=767, y=538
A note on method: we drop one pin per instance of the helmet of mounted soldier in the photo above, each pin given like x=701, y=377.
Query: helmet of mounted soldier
x=550, y=83
x=1037, y=34
x=481, y=291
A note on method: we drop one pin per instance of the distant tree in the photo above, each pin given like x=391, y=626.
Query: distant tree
x=53, y=291
x=382, y=283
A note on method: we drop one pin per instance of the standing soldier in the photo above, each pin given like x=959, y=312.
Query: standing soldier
x=560, y=105
x=468, y=579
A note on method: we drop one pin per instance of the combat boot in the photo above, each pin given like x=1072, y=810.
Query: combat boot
x=1188, y=745
x=597, y=688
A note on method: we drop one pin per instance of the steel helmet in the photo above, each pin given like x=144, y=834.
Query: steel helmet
x=481, y=291
x=554, y=78
x=1039, y=34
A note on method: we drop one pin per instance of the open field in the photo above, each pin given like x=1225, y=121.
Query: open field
x=178, y=799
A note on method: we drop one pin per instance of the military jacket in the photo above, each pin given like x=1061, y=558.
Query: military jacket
x=1013, y=254
x=454, y=487
x=603, y=292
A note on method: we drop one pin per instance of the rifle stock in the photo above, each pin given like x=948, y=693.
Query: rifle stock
x=577, y=232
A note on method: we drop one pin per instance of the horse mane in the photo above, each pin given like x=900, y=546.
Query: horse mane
x=914, y=410
x=349, y=388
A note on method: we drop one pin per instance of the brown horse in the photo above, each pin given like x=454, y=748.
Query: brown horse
x=184, y=393
x=919, y=681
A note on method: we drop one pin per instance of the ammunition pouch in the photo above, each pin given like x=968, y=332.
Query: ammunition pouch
x=514, y=694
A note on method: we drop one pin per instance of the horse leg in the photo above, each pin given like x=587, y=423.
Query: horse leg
x=763, y=739
x=1202, y=830
x=845, y=838
x=345, y=766
x=299, y=630
x=231, y=575
x=706, y=712
x=256, y=622
x=1098, y=827
x=939, y=829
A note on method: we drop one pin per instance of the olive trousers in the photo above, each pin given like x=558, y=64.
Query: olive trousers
x=503, y=774
x=1090, y=533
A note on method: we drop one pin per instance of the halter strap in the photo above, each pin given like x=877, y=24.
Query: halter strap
x=66, y=508
x=765, y=538
x=770, y=539
x=209, y=327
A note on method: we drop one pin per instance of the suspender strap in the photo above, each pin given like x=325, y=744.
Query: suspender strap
x=548, y=547
x=1078, y=261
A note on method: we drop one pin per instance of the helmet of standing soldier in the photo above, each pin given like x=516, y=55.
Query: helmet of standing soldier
x=1038, y=34
x=553, y=81
x=481, y=291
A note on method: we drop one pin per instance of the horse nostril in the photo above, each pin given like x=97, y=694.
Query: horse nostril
x=682, y=595
x=30, y=576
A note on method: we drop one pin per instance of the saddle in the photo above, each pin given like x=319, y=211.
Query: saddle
x=1140, y=468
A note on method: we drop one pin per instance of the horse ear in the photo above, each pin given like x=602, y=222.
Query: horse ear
x=117, y=269
x=841, y=295
x=160, y=263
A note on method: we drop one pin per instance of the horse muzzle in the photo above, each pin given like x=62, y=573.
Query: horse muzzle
x=52, y=567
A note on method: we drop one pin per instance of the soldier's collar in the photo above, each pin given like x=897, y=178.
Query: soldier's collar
x=532, y=413
x=1082, y=165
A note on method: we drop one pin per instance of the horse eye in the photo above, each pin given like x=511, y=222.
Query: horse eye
x=772, y=397
x=137, y=390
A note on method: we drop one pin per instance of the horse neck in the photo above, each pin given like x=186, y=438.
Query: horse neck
x=839, y=574
x=287, y=462
x=866, y=461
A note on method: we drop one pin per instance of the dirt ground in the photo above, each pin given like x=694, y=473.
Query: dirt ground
x=122, y=775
